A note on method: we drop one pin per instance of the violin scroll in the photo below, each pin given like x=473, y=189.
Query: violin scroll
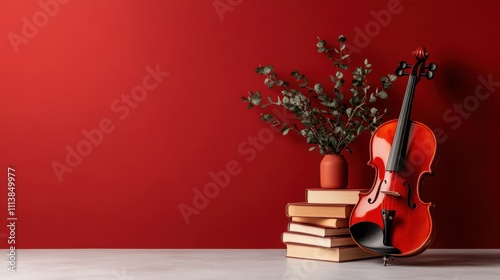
x=420, y=53
x=419, y=69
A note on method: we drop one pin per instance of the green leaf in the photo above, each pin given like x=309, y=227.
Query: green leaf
x=311, y=140
x=334, y=104
x=321, y=43
x=256, y=98
x=267, y=69
x=267, y=117
x=373, y=111
x=342, y=39
x=382, y=94
x=286, y=100
x=355, y=100
x=318, y=88
x=360, y=129
x=312, y=148
x=368, y=65
x=339, y=75
x=348, y=111
x=357, y=82
x=285, y=130
x=333, y=140
x=320, y=50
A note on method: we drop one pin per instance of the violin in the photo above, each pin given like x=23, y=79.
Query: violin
x=391, y=219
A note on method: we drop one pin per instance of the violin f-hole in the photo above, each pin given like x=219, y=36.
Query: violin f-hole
x=414, y=205
x=370, y=201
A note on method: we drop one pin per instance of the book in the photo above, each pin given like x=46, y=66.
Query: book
x=333, y=196
x=329, y=242
x=317, y=231
x=322, y=222
x=338, y=254
x=304, y=209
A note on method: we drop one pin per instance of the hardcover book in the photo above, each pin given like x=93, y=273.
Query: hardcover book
x=317, y=231
x=338, y=254
x=322, y=222
x=304, y=209
x=329, y=242
x=333, y=196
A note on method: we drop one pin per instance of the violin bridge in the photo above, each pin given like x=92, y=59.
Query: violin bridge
x=393, y=193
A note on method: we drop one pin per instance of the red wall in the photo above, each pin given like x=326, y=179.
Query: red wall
x=116, y=114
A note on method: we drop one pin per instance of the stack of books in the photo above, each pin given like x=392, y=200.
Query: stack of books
x=319, y=227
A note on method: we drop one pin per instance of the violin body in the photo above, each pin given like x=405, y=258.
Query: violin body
x=412, y=228
x=391, y=219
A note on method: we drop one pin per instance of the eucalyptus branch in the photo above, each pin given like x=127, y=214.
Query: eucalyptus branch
x=340, y=117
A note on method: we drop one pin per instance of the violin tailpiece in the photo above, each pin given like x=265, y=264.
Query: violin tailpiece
x=388, y=218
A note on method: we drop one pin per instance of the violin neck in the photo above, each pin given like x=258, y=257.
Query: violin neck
x=400, y=143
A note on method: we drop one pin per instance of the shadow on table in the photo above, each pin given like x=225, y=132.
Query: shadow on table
x=476, y=258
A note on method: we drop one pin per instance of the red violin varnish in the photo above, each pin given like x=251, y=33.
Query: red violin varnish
x=391, y=219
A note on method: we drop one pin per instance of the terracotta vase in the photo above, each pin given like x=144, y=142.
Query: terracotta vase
x=333, y=172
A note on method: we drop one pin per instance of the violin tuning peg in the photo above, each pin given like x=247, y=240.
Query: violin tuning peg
x=404, y=65
x=431, y=66
x=400, y=72
x=429, y=74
